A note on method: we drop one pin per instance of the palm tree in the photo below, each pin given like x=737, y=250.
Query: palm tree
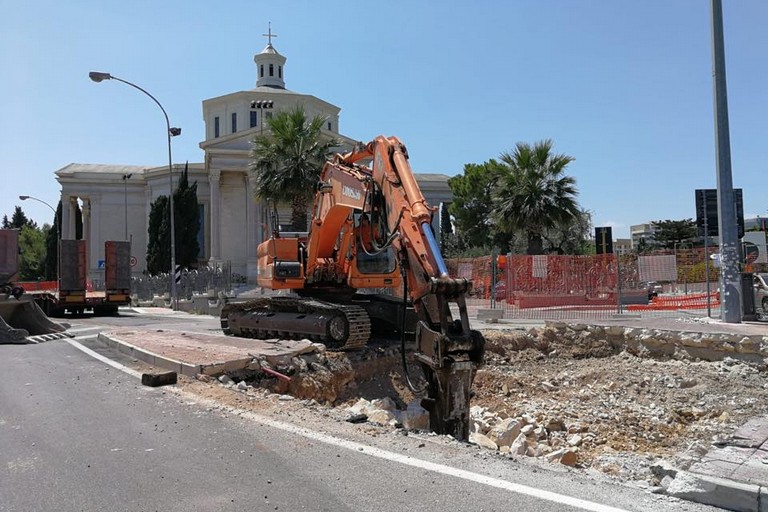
x=534, y=194
x=287, y=162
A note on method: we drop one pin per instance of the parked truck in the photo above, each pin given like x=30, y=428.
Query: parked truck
x=73, y=294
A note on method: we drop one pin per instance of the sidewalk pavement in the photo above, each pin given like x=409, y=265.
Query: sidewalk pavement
x=733, y=475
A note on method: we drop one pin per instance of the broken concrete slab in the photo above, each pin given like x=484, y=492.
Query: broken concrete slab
x=752, y=434
x=718, y=492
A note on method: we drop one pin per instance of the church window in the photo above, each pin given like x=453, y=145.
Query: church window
x=216, y=126
x=234, y=122
x=329, y=126
x=261, y=71
x=254, y=118
x=279, y=71
x=271, y=70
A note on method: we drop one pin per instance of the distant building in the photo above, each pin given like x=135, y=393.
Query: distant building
x=642, y=232
x=622, y=246
x=758, y=222
x=117, y=198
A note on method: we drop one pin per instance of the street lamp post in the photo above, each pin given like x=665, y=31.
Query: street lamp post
x=97, y=77
x=58, y=235
x=126, y=177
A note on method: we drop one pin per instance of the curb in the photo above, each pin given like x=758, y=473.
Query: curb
x=718, y=492
x=180, y=367
x=150, y=357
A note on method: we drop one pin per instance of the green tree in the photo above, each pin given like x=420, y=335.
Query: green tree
x=186, y=223
x=32, y=246
x=471, y=206
x=571, y=237
x=287, y=161
x=159, y=237
x=18, y=220
x=534, y=194
x=669, y=232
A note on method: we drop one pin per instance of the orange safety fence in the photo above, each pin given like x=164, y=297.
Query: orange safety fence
x=575, y=286
x=674, y=303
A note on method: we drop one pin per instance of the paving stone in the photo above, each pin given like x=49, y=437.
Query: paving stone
x=753, y=471
x=735, y=454
x=752, y=434
x=713, y=467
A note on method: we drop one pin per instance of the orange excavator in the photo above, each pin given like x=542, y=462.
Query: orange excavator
x=370, y=263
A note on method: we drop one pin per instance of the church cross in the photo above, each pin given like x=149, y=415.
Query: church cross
x=270, y=35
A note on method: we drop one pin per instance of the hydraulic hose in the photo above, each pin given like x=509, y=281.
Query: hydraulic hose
x=413, y=388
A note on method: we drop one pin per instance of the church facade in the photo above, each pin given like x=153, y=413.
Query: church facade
x=115, y=199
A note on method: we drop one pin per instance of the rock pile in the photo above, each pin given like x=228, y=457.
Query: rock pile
x=384, y=411
x=526, y=435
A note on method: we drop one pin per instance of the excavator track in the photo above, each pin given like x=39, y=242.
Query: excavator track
x=338, y=326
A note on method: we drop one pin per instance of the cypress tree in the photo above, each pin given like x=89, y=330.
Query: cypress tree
x=187, y=221
x=186, y=226
x=159, y=237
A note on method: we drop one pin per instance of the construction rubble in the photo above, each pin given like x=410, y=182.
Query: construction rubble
x=567, y=394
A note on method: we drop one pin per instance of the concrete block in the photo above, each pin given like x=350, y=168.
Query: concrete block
x=490, y=315
x=714, y=491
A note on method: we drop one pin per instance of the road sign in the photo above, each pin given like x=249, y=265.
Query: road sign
x=134, y=261
x=604, y=240
x=707, y=212
x=100, y=264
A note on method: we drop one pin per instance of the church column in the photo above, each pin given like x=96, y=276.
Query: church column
x=65, y=214
x=89, y=248
x=214, y=177
x=252, y=220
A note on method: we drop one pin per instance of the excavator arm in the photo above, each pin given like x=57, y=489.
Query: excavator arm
x=371, y=229
x=448, y=351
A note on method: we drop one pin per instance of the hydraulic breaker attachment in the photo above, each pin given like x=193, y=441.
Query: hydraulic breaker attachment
x=449, y=360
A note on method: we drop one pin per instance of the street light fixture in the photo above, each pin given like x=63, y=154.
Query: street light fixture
x=58, y=235
x=98, y=76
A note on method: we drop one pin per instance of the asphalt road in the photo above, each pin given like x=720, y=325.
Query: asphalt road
x=78, y=435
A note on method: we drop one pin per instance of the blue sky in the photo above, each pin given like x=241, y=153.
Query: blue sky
x=623, y=86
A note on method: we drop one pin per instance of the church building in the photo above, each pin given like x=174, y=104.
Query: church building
x=115, y=199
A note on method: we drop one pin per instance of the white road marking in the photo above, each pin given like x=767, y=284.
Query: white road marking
x=378, y=452
x=102, y=358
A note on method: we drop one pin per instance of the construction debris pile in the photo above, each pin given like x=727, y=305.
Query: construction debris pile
x=568, y=395
x=580, y=400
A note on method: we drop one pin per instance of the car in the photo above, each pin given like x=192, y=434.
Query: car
x=760, y=285
x=654, y=289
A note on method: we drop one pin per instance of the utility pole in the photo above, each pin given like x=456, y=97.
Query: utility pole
x=730, y=282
